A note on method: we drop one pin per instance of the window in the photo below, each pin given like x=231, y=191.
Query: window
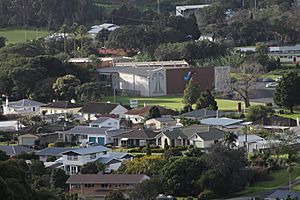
x=94, y=126
x=33, y=109
x=104, y=185
x=89, y=185
x=109, y=123
x=72, y=157
x=75, y=186
x=93, y=156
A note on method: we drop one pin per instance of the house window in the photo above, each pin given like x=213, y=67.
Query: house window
x=89, y=185
x=72, y=157
x=94, y=126
x=75, y=186
x=109, y=123
x=104, y=185
x=93, y=156
x=33, y=109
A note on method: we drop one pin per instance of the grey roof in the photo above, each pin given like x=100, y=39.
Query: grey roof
x=212, y=134
x=62, y=104
x=98, y=108
x=86, y=130
x=100, y=120
x=203, y=113
x=164, y=119
x=107, y=178
x=15, y=150
x=283, y=194
x=175, y=134
x=52, y=151
x=24, y=103
x=88, y=150
x=119, y=155
x=220, y=121
x=192, y=129
x=144, y=134
x=108, y=160
x=139, y=71
x=113, y=133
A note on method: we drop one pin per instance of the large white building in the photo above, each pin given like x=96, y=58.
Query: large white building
x=184, y=11
x=22, y=107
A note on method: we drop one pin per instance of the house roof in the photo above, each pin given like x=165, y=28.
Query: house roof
x=138, y=134
x=86, y=130
x=212, y=134
x=194, y=128
x=107, y=178
x=276, y=121
x=16, y=150
x=100, y=120
x=52, y=151
x=283, y=194
x=250, y=138
x=175, y=134
x=112, y=133
x=163, y=119
x=108, y=160
x=87, y=150
x=144, y=110
x=119, y=155
x=138, y=71
x=220, y=121
x=28, y=135
x=98, y=108
x=24, y=103
x=62, y=104
x=203, y=113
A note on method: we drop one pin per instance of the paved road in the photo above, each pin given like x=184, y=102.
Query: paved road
x=261, y=94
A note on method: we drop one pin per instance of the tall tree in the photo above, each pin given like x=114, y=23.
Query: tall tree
x=81, y=32
x=191, y=93
x=64, y=31
x=154, y=112
x=207, y=100
x=65, y=87
x=2, y=41
x=91, y=92
x=286, y=92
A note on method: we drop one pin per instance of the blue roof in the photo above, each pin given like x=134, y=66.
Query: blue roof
x=108, y=160
x=15, y=150
x=283, y=194
x=52, y=151
x=119, y=155
x=88, y=150
x=220, y=121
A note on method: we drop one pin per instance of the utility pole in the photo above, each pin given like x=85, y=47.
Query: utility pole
x=158, y=7
x=255, y=4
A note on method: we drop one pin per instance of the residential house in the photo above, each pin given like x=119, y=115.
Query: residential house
x=15, y=150
x=91, y=111
x=73, y=159
x=106, y=122
x=202, y=114
x=50, y=152
x=186, y=10
x=172, y=138
x=94, y=30
x=59, y=107
x=252, y=142
x=11, y=126
x=27, y=139
x=160, y=123
x=283, y=195
x=276, y=123
x=22, y=107
x=135, y=138
x=85, y=134
x=225, y=123
x=139, y=115
x=97, y=186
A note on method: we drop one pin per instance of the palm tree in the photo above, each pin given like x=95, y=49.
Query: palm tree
x=74, y=29
x=64, y=30
x=230, y=139
x=292, y=157
x=81, y=31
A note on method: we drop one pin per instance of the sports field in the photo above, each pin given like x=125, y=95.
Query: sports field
x=174, y=102
x=21, y=35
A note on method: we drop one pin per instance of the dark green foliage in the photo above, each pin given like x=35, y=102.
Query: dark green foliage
x=58, y=178
x=91, y=92
x=3, y=156
x=286, y=94
x=2, y=41
x=259, y=111
x=191, y=93
x=148, y=189
x=115, y=195
x=194, y=152
x=172, y=152
x=92, y=168
x=207, y=100
x=153, y=113
x=27, y=156
x=65, y=87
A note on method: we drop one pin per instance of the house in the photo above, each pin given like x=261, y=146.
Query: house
x=49, y=152
x=138, y=115
x=10, y=126
x=172, y=138
x=22, y=107
x=94, y=30
x=225, y=123
x=97, y=186
x=73, y=159
x=160, y=123
x=283, y=195
x=91, y=111
x=16, y=150
x=202, y=114
x=135, y=138
x=184, y=11
x=105, y=122
x=27, y=139
x=59, y=107
x=86, y=62
x=85, y=134
x=276, y=122
x=163, y=78
x=252, y=142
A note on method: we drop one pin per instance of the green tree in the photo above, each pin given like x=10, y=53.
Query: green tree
x=285, y=94
x=74, y=31
x=172, y=152
x=191, y=93
x=91, y=92
x=81, y=32
x=6, y=193
x=154, y=112
x=148, y=189
x=65, y=87
x=64, y=31
x=2, y=41
x=92, y=168
x=259, y=111
x=115, y=195
x=230, y=139
x=207, y=100
x=58, y=178
x=3, y=156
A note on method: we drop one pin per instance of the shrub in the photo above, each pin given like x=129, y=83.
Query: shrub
x=207, y=194
x=257, y=174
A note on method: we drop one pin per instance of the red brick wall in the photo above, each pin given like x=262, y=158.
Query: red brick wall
x=204, y=76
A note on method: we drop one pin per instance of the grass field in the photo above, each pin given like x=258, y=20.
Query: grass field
x=280, y=178
x=21, y=35
x=293, y=116
x=173, y=102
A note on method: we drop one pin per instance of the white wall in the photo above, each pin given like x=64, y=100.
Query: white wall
x=21, y=111
x=134, y=82
x=111, y=123
x=222, y=79
x=158, y=83
x=59, y=111
x=82, y=159
x=119, y=110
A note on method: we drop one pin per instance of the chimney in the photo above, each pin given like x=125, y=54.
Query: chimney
x=217, y=114
x=205, y=112
x=6, y=101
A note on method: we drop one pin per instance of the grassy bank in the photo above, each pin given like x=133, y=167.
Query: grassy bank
x=22, y=35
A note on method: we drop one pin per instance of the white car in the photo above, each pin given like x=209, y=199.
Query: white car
x=271, y=85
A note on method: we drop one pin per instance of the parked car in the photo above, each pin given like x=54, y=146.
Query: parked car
x=271, y=85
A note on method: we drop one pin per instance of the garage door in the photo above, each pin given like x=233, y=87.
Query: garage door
x=101, y=140
x=198, y=144
x=28, y=141
x=92, y=139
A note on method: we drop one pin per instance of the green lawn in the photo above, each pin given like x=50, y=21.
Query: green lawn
x=293, y=116
x=173, y=102
x=21, y=35
x=280, y=178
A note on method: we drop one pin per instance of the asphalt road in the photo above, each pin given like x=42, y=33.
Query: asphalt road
x=261, y=94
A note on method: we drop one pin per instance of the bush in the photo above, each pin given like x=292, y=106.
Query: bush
x=207, y=194
x=257, y=174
